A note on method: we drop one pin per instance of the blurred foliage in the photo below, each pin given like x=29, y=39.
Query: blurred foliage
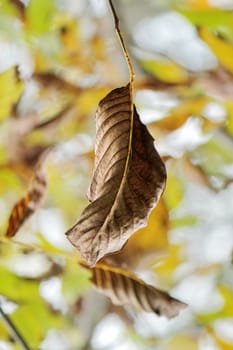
x=58, y=59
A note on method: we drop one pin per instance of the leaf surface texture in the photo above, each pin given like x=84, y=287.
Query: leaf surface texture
x=127, y=182
x=123, y=288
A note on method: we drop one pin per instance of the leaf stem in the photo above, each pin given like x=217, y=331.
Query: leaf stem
x=13, y=330
x=121, y=39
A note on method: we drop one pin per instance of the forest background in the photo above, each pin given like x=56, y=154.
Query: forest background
x=58, y=60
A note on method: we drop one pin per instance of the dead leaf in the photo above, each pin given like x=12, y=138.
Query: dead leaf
x=124, y=288
x=128, y=180
x=146, y=244
x=27, y=205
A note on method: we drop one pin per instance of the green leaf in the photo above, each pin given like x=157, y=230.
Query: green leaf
x=34, y=320
x=9, y=182
x=165, y=70
x=10, y=90
x=6, y=7
x=214, y=155
x=75, y=281
x=17, y=289
x=209, y=18
x=32, y=317
x=39, y=16
x=184, y=221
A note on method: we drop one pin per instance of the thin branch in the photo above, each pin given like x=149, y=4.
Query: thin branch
x=131, y=82
x=121, y=39
x=42, y=249
x=14, y=331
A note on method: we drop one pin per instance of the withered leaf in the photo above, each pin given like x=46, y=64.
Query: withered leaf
x=127, y=182
x=27, y=205
x=124, y=288
x=146, y=245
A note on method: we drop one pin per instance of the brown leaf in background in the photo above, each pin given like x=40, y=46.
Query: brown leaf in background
x=27, y=205
x=124, y=288
x=128, y=180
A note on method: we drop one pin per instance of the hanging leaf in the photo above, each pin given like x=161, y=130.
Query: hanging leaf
x=123, y=288
x=128, y=180
x=26, y=206
x=146, y=244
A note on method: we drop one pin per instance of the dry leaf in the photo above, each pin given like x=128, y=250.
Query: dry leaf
x=123, y=288
x=26, y=206
x=128, y=180
x=146, y=244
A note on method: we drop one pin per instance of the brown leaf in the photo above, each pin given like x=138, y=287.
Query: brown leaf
x=27, y=205
x=123, y=288
x=128, y=180
x=146, y=244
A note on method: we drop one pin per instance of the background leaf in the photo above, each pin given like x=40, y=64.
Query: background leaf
x=10, y=90
x=125, y=288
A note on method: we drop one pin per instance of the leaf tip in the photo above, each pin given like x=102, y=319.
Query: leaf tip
x=174, y=307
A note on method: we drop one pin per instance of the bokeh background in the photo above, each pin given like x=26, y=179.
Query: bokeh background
x=57, y=60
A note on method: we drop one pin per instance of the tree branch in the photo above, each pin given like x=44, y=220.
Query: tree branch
x=121, y=39
x=13, y=330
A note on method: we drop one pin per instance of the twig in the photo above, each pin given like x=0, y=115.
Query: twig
x=121, y=39
x=131, y=83
x=14, y=331
x=36, y=247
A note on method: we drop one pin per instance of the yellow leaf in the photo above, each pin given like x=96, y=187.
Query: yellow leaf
x=69, y=37
x=226, y=311
x=180, y=342
x=41, y=62
x=221, y=343
x=178, y=115
x=10, y=90
x=174, y=192
x=88, y=99
x=227, y=295
x=146, y=243
x=165, y=70
x=4, y=333
x=222, y=49
x=199, y=4
x=229, y=123
x=164, y=270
